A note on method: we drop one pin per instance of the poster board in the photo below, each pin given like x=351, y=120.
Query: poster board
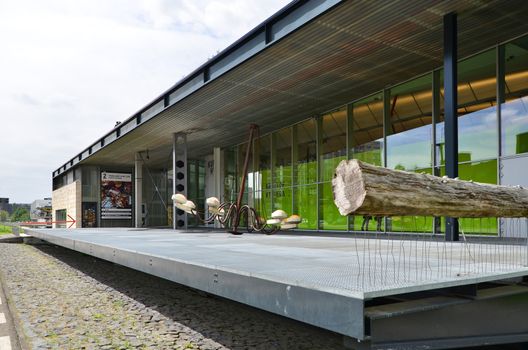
x=116, y=196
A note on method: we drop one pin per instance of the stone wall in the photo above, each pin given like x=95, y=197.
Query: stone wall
x=68, y=197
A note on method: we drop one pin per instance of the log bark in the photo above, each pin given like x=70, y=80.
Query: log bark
x=365, y=189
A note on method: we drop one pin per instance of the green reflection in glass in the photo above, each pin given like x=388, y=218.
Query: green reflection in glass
x=282, y=199
x=333, y=143
x=282, y=171
x=306, y=206
x=367, y=134
x=305, y=153
x=484, y=172
x=422, y=224
x=241, y=154
x=330, y=219
x=367, y=223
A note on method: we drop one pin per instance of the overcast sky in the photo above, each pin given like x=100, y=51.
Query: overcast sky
x=70, y=69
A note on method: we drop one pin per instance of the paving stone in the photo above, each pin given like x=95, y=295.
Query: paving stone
x=67, y=300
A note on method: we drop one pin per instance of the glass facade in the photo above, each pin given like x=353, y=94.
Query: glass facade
x=514, y=110
x=367, y=130
x=333, y=149
x=399, y=128
x=305, y=173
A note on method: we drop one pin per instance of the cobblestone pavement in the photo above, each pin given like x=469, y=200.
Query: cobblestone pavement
x=67, y=300
x=8, y=336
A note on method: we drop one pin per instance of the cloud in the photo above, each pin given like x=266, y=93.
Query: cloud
x=70, y=69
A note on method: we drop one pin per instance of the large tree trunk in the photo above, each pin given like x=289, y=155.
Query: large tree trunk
x=365, y=189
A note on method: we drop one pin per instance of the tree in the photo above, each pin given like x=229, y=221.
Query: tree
x=4, y=216
x=20, y=214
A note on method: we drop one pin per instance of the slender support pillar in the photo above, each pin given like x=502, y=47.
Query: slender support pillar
x=218, y=172
x=179, y=177
x=138, y=190
x=450, y=111
x=218, y=176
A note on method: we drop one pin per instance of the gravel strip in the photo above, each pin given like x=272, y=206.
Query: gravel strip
x=67, y=300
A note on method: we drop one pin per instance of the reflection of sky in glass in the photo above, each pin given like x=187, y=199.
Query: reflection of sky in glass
x=477, y=134
x=514, y=117
x=410, y=149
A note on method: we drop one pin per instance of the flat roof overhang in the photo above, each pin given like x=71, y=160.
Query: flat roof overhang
x=308, y=58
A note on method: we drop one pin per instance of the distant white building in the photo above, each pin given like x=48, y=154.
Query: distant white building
x=41, y=210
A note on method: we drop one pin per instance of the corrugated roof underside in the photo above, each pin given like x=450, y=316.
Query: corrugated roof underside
x=356, y=49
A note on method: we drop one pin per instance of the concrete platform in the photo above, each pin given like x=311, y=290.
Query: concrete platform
x=324, y=281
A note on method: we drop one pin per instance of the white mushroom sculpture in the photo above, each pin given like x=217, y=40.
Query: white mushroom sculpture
x=280, y=217
x=181, y=202
x=213, y=205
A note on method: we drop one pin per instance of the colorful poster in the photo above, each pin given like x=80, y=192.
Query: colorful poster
x=116, y=196
x=89, y=214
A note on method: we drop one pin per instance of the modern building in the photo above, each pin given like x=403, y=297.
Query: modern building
x=439, y=87
x=4, y=205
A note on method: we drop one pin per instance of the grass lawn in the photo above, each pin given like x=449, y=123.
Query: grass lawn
x=4, y=230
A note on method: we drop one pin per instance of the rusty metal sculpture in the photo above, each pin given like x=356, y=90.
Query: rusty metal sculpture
x=231, y=214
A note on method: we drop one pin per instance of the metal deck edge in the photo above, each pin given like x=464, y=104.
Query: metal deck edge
x=335, y=312
x=446, y=284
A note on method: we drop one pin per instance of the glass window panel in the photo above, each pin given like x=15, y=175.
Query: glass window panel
x=330, y=219
x=192, y=190
x=263, y=203
x=282, y=176
x=305, y=152
x=201, y=179
x=422, y=224
x=282, y=199
x=263, y=175
x=485, y=172
x=477, y=114
x=333, y=142
x=409, y=145
x=241, y=154
x=514, y=112
x=367, y=134
x=230, y=175
x=306, y=206
x=367, y=223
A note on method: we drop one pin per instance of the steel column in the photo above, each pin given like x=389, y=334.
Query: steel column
x=437, y=222
x=179, y=177
x=349, y=147
x=387, y=131
x=450, y=110
x=138, y=190
x=319, y=150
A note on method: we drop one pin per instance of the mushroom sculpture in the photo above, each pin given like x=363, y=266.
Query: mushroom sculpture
x=226, y=212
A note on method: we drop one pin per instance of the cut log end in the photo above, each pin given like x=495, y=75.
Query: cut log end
x=348, y=186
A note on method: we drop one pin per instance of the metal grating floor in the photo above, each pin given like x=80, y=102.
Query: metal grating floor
x=347, y=266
